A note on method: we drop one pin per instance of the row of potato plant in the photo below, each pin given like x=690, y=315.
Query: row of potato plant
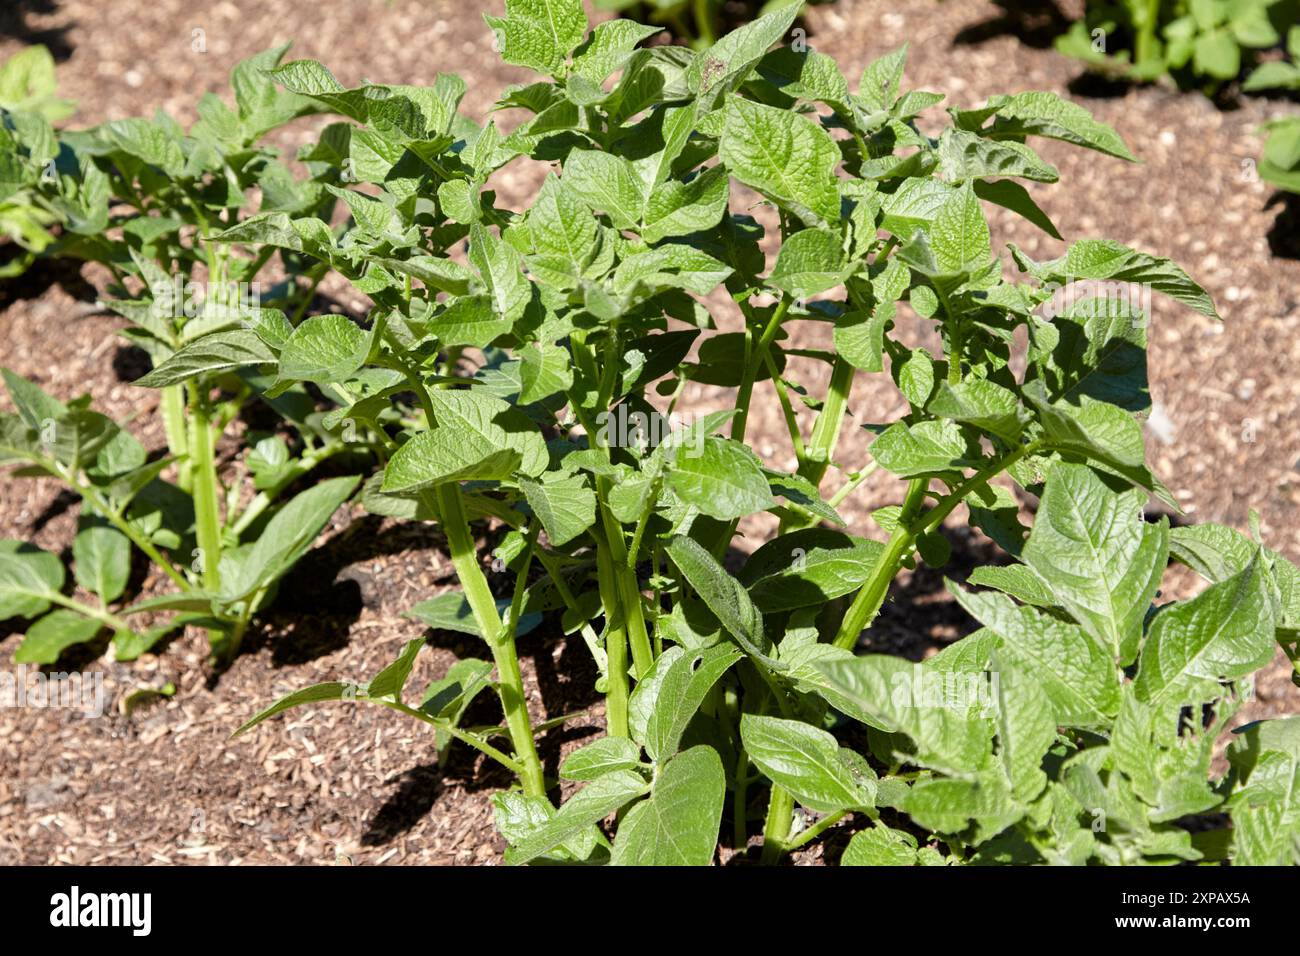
x=507, y=352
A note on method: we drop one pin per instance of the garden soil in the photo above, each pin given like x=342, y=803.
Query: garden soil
x=160, y=781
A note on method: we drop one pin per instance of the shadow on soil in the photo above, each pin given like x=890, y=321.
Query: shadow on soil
x=1284, y=237
x=1035, y=23
x=14, y=24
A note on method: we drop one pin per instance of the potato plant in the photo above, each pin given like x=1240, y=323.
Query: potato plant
x=29, y=106
x=1280, y=163
x=547, y=351
x=1200, y=43
x=144, y=199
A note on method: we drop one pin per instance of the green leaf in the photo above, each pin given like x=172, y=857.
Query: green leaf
x=807, y=568
x=544, y=370
x=390, y=681
x=1216, y=553
x=599, y=758
x=979, y=402
x=102, y=559
x=53, y=634
x=723, y=67
x=539, y=33
x=477, y=436
x=810, y=262
x=1076, y=673
x=287, y=536
x=809, y=763
x=677, y=208
x=878, y=87
x=1040, y=113
x=1102, y=562
x=724, y=479
x=942, y=713
x=924, y=448
x=607, y=183
x=451, y=612
x=324, y=349
x=798, y=490
x=218, y=352
x=784, y=156
x=678, y=691
x=33, y=404
x=965, y=155
x=28, y=576
x=589, y=805
x=608, y=48
x=725, y=596
x=1026, y=727
x=316, y=693
x=1106, y=259
x=959, y=235
x=1223, y=633
x=1013, y=196
x=565, y=236
x=565, y=506
x=470, y=320
x=1016, y=580
x=678, y=824
x=880, y=846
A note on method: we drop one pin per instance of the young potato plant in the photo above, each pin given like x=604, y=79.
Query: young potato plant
x=1280, y=164
x=28, y=108
x=146, y=199
x=1200, y=43
x=548, y=361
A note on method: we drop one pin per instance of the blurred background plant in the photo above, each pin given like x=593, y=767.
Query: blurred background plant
x=1280, y=164
x=29, y=106
x=1200, y=44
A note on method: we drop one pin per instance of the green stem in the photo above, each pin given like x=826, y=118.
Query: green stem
x=173, y=416
x=703, y=10
x=316, y=273
x=826, y=432
x=617, y=693
x=89, y=493
x=852, y=484
x=869, y=599
x=872, y=594
x=206, y=519
x=776, y=828
x=510, y=684
x=98, y=614
x=753, y=363
x=817, y=829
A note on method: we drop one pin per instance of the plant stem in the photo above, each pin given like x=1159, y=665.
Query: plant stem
x=826, y=432
x=754, y=362
x=206, y=519
x=776, y=828
x=817, y=829
x=852, y=484
x=616, y=696
x=98, y=614
x=872, y=594
x=869, y=599
x=173, y=416
x=510, y=684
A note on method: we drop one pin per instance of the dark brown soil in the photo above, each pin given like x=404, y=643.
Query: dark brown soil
x=340, y=784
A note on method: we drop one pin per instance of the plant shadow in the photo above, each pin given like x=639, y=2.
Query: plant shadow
x=1035, y=23
x=14, y=24
x=1284, y=236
